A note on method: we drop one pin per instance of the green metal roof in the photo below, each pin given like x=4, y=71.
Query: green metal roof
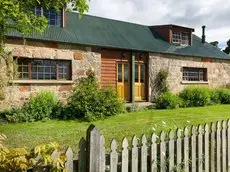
x=102, y=32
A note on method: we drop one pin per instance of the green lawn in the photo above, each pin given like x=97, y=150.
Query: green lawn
x=69, y=132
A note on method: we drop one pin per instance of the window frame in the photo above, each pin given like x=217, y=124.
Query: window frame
x=180, y=38
x=58, y=15
x=28, y=64
x=190, y=73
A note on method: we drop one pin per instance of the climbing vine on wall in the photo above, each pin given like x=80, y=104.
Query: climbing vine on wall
x=8, y=71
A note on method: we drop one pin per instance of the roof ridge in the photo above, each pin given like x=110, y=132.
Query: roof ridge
x=104, y=18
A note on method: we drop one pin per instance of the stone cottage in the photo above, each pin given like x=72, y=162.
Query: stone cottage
x=123, y=55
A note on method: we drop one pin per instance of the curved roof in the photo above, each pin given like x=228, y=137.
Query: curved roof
x=102, y=32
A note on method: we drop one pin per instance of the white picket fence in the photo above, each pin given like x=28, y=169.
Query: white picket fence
x=197, y=149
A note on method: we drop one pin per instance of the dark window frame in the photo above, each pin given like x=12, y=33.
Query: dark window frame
x=48, y=69
x=182, y=38
x=194, y=74
x=54, y=17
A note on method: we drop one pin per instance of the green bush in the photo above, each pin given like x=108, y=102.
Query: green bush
x=224, y=95
x=39, y=107
x=196, y=96
x=90, y=102
x=168, y=101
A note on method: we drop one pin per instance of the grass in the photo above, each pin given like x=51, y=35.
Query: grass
x=68, y=133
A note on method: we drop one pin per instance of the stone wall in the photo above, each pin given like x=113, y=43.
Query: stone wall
x=218, y=71
x=82, y=58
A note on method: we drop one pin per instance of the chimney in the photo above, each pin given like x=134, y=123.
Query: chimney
x=203, y=34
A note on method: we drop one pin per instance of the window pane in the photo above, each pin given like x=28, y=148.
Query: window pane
x=119, y=72
x=126, y=73
x=43, y=69
x=194, y=74
x=142, y=73
x=136, y=73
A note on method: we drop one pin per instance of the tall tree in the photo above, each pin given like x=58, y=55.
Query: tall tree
x=215, y=43
x=227, y=49
x=16, y=14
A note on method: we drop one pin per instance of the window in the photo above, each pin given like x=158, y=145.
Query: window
x=54, y=17
x=194, y=74
x=37, y=69
x=181, y=38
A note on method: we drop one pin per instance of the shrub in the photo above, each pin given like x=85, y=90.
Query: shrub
x=168, y=101
x=161, y=81
x=39, y=107
x=196, y=96
x=214, y=97
x=90, y=102
x=224, y=95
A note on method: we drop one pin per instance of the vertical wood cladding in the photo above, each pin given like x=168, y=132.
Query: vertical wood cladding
x=109, y=59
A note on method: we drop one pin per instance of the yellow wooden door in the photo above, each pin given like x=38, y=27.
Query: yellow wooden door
x=123, y=81
x=140, y=82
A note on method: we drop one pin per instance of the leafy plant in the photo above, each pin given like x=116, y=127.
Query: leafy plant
x=39, y=107
x=20, y=159
x=90, y=102
x=196, y=96
x=168, y=101
x=224, y=95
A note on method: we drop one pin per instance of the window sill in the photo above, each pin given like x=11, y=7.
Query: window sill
x=41, y=82
x=194, y=82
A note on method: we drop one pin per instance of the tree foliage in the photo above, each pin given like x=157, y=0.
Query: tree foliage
x=227, y=49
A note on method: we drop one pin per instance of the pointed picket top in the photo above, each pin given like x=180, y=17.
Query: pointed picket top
x=224, y=124
x=69, y=152
x=162, y=136
x=218, y=125
x=135, y=141
x=200, y=129
x=125, y=143
x=206, y=128
x=144, y=139
x=114, y=145
x=154, y=138
x=178, y=133
x=194, y=130
x=186, y=132
x=55, y=153
x=213, y=127
x=171, y=135
x=92, y=129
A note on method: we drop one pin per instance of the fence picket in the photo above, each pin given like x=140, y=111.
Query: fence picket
x=218, y=145
x=178, y=150
x=206, y=143
x=82, y=155
x=213, y=147
x=194, y=144
x=153, y=153
x=69, y=160
x=135, y=155
x=200, y=149
x=228, y=130
x=113, y=156
x=224, y=146
x=144, y=154
x=125, y=156
x=171, y=151
x=102, y=153
x=186, y=150
x=163, y=152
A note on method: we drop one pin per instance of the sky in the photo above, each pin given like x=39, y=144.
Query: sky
x=215, y=14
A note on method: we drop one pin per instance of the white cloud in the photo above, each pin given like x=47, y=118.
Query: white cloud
x=212, y=13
